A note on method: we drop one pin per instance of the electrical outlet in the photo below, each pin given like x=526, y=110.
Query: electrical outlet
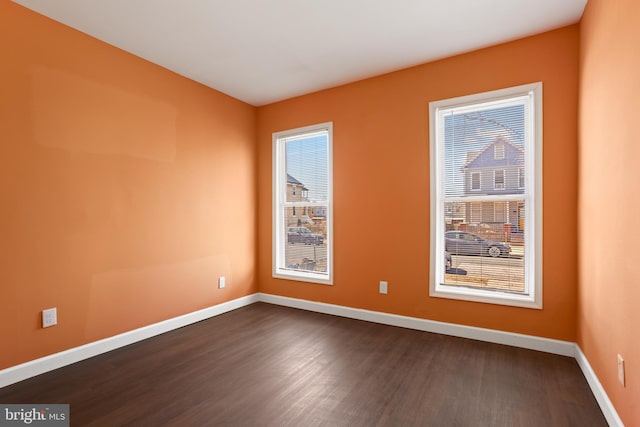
x=383, y=287
x=221, y=282
x=49, y=317
x=621, y=370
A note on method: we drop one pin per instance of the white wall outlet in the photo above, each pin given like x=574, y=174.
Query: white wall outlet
x=49, y=317
x=222, y=282
x=383, y=287
x=621, y=370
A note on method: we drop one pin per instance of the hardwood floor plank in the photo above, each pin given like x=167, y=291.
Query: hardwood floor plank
x=266, y=365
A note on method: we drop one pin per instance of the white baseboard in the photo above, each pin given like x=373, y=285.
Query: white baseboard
x=564, y=348
x=39, y=366
x=606, y=406
x=32, y=368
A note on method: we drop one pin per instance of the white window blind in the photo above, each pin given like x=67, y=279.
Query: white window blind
x=495, y=242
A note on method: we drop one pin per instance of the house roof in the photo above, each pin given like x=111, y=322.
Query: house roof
x=513, y=155
x=292, y=180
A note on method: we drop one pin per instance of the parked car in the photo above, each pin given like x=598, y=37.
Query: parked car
x=303, y=235
x=464, y=243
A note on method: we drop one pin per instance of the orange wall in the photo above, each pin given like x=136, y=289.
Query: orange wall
x=381, y=183
x=609, y=293
x=126, y=190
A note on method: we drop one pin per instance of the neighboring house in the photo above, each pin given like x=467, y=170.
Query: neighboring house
x=312, y=217
x=301, y=215
x=498, y=169
x=296, y=192
x=455, y=213
x=319, y=213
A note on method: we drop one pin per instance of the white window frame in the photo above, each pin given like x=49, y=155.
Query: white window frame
x=532, y=297
x=479, y=181
x=498, y=154
x=280, y=202
x=504, y=179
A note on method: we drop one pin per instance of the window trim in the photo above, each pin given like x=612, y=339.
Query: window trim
x=279, y=187
x=504, y=179
x=504, y=213
x=479, y=181
x=533, y=210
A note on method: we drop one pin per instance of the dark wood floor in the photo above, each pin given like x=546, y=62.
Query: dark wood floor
x=265, y=365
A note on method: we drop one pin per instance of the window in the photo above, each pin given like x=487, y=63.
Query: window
x=303, y=245
x=476, y=213
x=500, y=215
x=475, y=181
x=498, y=179
x=496, y=255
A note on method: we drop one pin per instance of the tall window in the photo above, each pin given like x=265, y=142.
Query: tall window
x=303, y=243
x=498, y=179
x=475, y=181
x=495, y=246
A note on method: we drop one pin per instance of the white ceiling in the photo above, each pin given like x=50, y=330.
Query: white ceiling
x=263, y=51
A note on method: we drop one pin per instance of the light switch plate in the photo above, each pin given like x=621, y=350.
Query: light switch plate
x=49, y=317
x=383, y=287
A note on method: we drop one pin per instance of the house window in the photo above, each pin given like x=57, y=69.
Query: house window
x=303, y=246
x=496, y=254
x=475, y=181
x=498, y=179
x=476, y=213
x=500, y=214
